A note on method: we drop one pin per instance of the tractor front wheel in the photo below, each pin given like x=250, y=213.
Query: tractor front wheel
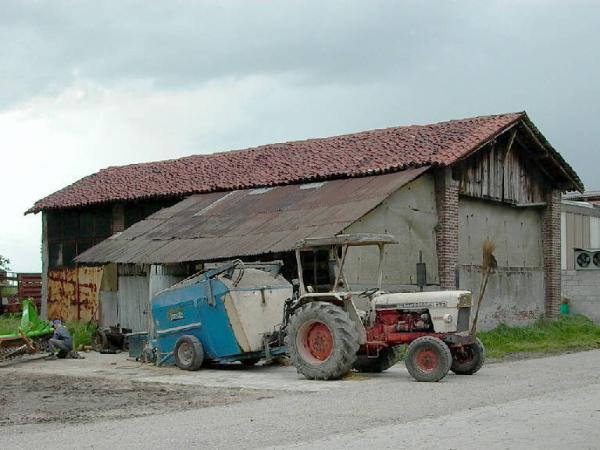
x=468, y=359
x=428, y=359
x=322, y=341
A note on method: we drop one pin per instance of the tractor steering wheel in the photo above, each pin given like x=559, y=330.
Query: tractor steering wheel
x=368, y=292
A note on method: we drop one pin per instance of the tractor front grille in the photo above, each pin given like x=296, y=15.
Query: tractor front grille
x=463, y=319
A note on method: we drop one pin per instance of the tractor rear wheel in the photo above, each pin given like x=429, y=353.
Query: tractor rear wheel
x=189, y=354
x=387, y=358
x=468, y=359
x=322, y=341
x=428, y=359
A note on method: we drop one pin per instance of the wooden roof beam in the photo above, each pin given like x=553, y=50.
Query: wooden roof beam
x=548, y=154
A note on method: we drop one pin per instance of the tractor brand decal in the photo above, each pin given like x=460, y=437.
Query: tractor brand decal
x=175, y=314
x=442, y=304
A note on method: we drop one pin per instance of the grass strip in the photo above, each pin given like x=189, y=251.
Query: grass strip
x=574, y=332
x=82, y=332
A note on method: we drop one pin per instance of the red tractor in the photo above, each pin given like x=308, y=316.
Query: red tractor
x=328, y=333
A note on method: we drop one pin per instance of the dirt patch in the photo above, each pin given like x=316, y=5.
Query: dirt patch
x=30, y=399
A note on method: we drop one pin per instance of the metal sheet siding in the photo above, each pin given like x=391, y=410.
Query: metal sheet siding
x=133, y=302
x=109, y=310
x=248, y=222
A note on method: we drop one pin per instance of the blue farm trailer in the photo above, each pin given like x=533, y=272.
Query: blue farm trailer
x=230, y=313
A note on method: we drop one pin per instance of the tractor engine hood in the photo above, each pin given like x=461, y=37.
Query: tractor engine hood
x=424, y=300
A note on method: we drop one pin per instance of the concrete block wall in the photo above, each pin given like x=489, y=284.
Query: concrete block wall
x=582, y=288
x=514, y=296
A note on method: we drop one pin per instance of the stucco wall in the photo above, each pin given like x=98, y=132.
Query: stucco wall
x=515, y=291
x=516, y=232
x=582, y=288
x=410, y=215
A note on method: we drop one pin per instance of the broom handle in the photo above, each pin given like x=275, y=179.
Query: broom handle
x=484, y=281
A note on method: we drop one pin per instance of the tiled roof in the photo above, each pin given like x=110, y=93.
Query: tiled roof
x=351, y=155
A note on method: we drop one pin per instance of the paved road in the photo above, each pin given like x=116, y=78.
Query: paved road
x=549, y=403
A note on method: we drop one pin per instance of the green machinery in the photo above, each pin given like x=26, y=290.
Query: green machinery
x=30, y=337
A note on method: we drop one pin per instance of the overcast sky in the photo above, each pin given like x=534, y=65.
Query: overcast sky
x=85, y=85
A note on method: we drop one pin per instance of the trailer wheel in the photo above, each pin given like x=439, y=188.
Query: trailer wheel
x=469, y=359
x=189, y=353
x=322, y=341
x=387, y=358
x=428, y=359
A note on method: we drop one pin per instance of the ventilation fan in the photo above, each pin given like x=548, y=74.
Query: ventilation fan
x=587, y=259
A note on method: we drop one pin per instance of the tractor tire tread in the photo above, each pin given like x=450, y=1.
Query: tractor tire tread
x=443, y=353
x=345, y=335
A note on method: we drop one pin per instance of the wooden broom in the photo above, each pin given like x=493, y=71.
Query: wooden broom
x=488, y=264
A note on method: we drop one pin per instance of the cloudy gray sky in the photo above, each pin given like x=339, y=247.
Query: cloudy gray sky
x=86, y=84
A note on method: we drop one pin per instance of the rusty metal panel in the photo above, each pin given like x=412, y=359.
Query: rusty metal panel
x=73, y=293
x=248, y=222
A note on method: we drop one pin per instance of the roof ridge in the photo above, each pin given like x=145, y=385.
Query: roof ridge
x=314, y=139
x=357, y=154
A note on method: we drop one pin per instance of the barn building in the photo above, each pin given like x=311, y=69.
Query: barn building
x=441, y=189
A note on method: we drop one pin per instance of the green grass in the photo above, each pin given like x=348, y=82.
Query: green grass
x=82, y=332
x=544, y=336
x=9, y=323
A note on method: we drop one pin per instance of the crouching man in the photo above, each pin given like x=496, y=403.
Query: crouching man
x=61, y=340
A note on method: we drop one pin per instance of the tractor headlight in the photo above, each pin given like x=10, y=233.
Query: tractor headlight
x=448, y=318
x=464, y=300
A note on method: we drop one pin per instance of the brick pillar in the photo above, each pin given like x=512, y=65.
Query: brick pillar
x=446, y=196
x=551, y=250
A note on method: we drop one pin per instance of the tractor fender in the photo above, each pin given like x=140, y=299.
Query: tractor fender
x=340, y=300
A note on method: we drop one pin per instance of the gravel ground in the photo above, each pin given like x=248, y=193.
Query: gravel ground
x=34, y=399
x=545, y=403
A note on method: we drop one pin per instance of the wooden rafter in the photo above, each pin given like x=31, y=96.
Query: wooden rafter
x=547, y=153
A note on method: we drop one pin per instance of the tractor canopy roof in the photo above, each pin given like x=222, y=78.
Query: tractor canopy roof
x=351, y=240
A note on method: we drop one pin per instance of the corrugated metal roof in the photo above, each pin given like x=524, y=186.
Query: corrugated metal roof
x=247, y=222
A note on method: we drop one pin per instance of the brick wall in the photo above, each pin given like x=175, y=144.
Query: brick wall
x=446, y=193
x=551, y=251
